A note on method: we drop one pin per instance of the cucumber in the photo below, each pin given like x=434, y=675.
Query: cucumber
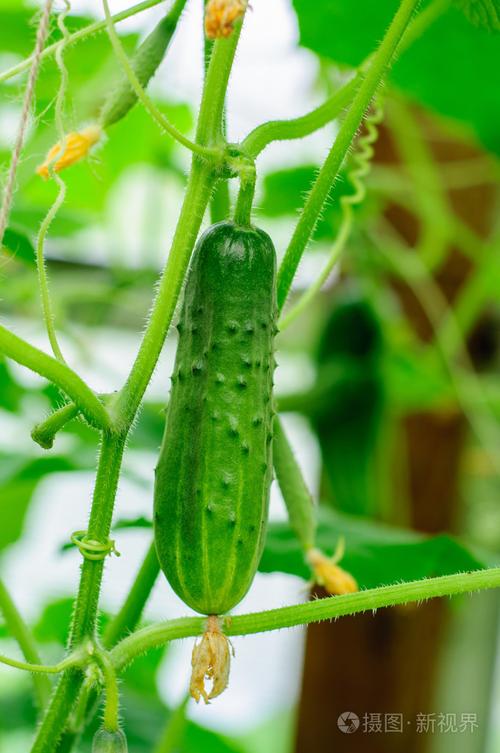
x=348, y=422
x=145, y=62
x=215, y=465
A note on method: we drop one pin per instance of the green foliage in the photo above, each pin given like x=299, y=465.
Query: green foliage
x=482, y=13
x=18, y=482
x=18, y=244
x=284, y=192
x=376, y=554
x=466, y=57
x=369, y=369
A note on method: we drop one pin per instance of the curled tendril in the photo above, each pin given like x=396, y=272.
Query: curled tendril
x=361, y=161
x=92, y=549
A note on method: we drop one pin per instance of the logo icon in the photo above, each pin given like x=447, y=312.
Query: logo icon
x=348, y=722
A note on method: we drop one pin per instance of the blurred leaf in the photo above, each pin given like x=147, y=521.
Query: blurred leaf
x=141, y=676
x=19, y=245
x=66, y=222
x=18, y=481
x=89, y=181
x=53, y=624
x=124, y=523
x=10, y=391
x=482, y=13
x=375, y=554
x=285, y=192
x=415, y=380
x=452, y=68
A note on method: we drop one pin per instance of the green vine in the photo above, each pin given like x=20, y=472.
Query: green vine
x=301, y=614
x=213, y=161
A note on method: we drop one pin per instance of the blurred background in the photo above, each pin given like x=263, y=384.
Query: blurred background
x=388, y=383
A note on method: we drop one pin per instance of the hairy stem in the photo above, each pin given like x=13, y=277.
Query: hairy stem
x=196, y=199
x=328, y=173
x=59, y=373
x=303, y=614
x=18, y=630
x=200, y=185
x=243, y=209
x=136, y=86
x=85, y=613
x=111, y=716
x=77, y=36
x=297, y=128
x=44, y=433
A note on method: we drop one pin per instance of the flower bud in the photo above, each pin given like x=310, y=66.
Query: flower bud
x=221, y=15
x=328, y=574
x=109, y=742
x=76, y=146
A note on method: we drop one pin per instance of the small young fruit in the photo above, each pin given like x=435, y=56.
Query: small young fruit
x=145, y=62
x=214, y=470
x=109, y=742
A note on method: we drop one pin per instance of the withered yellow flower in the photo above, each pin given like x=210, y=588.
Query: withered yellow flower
x=210, y=661
x=221, y=15
x=76, y=146
x=328, y=574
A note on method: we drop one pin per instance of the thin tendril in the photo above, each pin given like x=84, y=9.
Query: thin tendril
x=43, y=280
x=54, y=669
x=8, y=193
x=362, y=163
x=151, y=108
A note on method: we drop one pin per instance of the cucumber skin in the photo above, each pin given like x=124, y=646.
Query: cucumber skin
x=215, y=465
x=145, y=62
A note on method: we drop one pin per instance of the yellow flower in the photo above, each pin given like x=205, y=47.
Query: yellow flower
x=210, y=661
x=76, y=146
x=328, y=574
x=221, y=15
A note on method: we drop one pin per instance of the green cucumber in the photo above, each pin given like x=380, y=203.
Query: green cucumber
x=215, y=464
x=348, y=421
x=145, y=62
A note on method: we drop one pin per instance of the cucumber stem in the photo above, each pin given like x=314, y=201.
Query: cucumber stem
x=318, y=610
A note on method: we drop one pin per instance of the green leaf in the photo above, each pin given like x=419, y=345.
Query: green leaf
x=18, y=481
x=452, y=68
x=415, y=380
x=11, y=393
x=126, y=523
x=482, y=13
x=376, y=554
x=285, y=191
x=141, y=675
x=17, y=244
x=53, y=624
